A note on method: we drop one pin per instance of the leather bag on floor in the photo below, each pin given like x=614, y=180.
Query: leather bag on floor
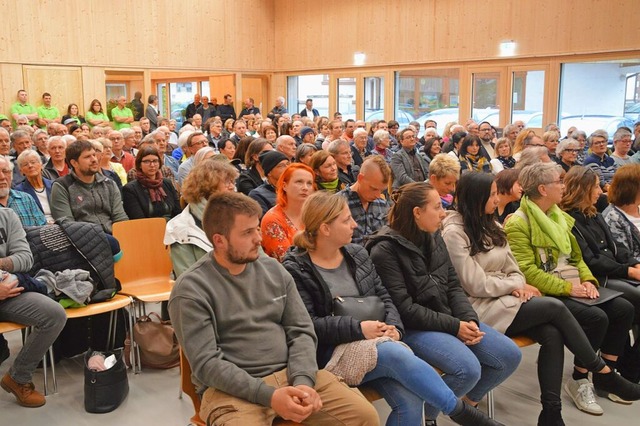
x=157, y=341
x=104, y=391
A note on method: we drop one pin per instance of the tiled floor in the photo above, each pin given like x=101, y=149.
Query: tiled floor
x=153, y=400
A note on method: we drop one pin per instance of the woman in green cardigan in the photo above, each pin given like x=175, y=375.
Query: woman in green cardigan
x=549, y=256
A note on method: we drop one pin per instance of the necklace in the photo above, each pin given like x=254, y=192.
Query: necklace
x=40, y=191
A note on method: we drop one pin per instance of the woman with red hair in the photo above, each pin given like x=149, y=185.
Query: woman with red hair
x=280, y=223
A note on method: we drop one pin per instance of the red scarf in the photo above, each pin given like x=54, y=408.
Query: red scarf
x=154, y=186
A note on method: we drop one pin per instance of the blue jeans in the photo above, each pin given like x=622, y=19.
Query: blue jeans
x=406, y=382
x=47, y=318
x=469, y=370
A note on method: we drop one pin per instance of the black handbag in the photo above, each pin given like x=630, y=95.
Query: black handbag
x=104, y=391
x=362, y=308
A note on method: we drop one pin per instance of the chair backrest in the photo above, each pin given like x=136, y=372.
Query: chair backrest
x=144, y=255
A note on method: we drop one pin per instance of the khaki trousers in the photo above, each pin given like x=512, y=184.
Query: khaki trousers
x=341, y=405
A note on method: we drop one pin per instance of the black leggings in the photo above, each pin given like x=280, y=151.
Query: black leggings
x=548, y=321
x=606, y=325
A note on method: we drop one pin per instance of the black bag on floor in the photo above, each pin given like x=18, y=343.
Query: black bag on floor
x=104, y=391
x=629, y=362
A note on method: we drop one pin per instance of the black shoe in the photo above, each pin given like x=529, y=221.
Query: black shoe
x=4, y=349
x=550, y=416
x=428, y=422
x=471, y=416
x=617, y=385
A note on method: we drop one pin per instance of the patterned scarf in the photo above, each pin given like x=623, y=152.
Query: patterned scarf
x=507, y=162
x=154, y=186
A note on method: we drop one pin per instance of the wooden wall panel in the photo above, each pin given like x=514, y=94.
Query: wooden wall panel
x=93, y=86
x=397, y=32
x=254, y=87
x=64, y=84
x=220, y=85
x=10, y=81
x=190, y=34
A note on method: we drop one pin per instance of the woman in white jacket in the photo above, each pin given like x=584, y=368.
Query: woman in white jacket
x=497, y=289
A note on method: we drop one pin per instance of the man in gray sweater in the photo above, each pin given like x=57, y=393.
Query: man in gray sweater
x=247, y=334
x=85, y=195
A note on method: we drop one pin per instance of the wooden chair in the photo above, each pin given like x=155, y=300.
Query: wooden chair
x=6, y=327
x=112, y=305
x=145, y=268
x=521, y=341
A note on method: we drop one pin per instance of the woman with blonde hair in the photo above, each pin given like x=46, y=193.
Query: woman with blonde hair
x=184, y=234
x=444, y=172
x=504, y=159
x=525, y=139
x=330, y=273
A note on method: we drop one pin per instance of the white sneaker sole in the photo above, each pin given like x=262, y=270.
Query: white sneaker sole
x=585, y=410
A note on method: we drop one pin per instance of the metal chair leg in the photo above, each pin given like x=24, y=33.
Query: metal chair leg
x=53, y=370
x=490, y=406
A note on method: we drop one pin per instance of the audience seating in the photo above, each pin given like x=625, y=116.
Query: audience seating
x=6, y=327
x=145, y=267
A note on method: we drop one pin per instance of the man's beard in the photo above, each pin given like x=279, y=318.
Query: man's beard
x=234, y=257
x=4, y=192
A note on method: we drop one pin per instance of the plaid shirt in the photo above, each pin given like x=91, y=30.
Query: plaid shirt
x=370, y=220
x=26, y=208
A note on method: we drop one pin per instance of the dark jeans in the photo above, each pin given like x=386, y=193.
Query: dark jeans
x=631, y=293
x=548, y=321
x=606, y=325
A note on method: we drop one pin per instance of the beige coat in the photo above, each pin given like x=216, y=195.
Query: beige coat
x=488, y=278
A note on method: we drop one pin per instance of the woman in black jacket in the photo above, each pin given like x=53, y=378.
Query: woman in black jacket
x=254, y=176
x=150, y=195
x=610, y=262
x=328, y=271
x=442, y=328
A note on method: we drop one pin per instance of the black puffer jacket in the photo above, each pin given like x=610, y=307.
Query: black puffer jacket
x=428, y=297
x=334, y=330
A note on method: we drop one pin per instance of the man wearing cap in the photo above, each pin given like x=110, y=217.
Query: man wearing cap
x=46, y=112
x=121, y=115
x=307, y=135
x=21, y=107
x=309, y=110
x=273, y=163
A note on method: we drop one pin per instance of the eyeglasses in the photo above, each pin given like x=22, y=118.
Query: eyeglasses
x=572, y=150
x=554, y=181
x=150, y=162
x=597, y=143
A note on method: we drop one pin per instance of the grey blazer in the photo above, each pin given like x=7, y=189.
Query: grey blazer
x=402, y=168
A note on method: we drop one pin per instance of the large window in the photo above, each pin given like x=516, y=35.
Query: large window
x=599, y=95
x=347, y=97
x=485, y=97
x=373, y=98
x=303, y=87
x=427, y=94
x=527, y=98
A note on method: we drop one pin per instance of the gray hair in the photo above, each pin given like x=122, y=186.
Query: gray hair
x=600, y=133
x=621, y=133
x=359, y=131
x=37, y=133
x=19, y=134
x=3, y=130
x=304, y=149
x=127, y=133
x=281, y=139
x=201, y=154
x=531, y=156
x=567, y=144
x=8, y=160
x=532, y=176
x=56, y=139
x=336, y=144
x=24, y=156
x=577, y=133
x=379, y=136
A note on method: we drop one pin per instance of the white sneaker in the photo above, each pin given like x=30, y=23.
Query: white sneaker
x=582, y=393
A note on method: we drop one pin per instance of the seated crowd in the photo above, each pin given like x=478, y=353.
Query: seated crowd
x=346, y=253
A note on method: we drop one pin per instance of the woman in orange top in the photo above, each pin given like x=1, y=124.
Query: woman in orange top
x=280, y=224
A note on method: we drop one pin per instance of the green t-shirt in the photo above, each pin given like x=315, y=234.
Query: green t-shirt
x=124, y=112
x=25, y=109
x=93, y=116
x=50, y=113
